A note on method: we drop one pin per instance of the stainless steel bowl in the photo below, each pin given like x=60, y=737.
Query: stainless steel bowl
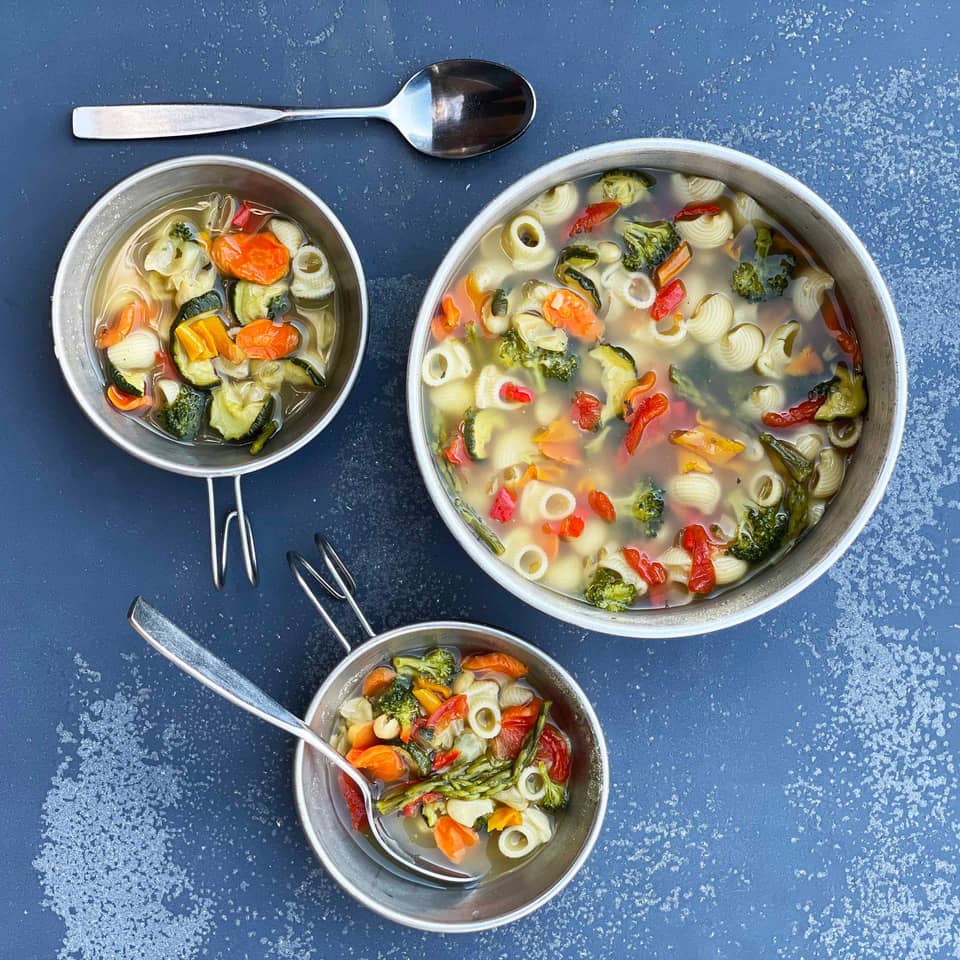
x=353, y=863
x=884, y=361
x=114, y=215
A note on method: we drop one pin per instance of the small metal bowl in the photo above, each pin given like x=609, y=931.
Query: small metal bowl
x=105, y=224
x=884, y=361
x=354, y=863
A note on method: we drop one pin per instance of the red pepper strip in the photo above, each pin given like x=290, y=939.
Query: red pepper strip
x=697, y=543
x=353, y=798
x=647, y=410
x=668, y=299
x=693, y=210
x=411, y=809
x=242, y=216
x=651, y=572
x=442, y=760
x=803, y=412
x=456, y=450
x=570, y=527
x=453, y=709
x=515, y=393
x=504, y=503
x=586, y=410
x=595, y=214
x=600, y=504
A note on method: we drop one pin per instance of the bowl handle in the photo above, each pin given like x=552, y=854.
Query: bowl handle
x=220, y=541
x=344, y=589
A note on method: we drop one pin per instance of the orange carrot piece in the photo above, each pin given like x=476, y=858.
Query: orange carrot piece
x=446, y=321
x=377, y=681
x=134, y=314
x=125, y=401
x=257, y=257
x=361, y=736
x=670, y=267
x=564, y=309
x=453, y=839
x=709, y=444
x=266, y=340
x=500, y=662
x=805, y=362
x=382, y=762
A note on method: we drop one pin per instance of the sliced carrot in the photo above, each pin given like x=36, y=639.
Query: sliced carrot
x=446, y=321
x=214, y=328
x=266, y=340
x=427, y=699
x=503, y=817
x=377, y=681
x=134, y=314
x=670, y=267
x=453, y=839
x=564, y=309
x=500, y=662
x=361, y=736
x=382, y=762
x=257, y=257
x=125, y=401
x=805, y=362
x=560, y=441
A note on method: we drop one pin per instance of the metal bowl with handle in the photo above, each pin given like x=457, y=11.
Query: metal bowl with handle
x=111, y=218
x=353, y=862
x=883, y=356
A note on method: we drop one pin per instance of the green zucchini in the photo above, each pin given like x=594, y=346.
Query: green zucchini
x=253, y=301
x=208, y=302
x=198, y=373
x=263, y=436
x=305, y=371
x=182, y=417
x=619, y=377
x=239, y=414
x=133, y=382
x=478, y=429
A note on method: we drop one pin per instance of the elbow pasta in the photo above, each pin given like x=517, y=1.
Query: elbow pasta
x=778, y=351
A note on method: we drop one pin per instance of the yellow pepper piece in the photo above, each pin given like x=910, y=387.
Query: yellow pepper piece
x=707, y=443
x=195, y=346
x=212, y=327
x=504, y=817
x=422, y=683
x=692, y=463
x=428, y=700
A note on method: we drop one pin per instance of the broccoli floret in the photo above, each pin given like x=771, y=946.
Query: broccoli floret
x=646, y=505
x=553, y=364
x=438, y=665
x=624, y=186
x=181, y=231
x=609, y=591
x=765, y=276
x=556, y=796
x=182, y=418
x=759, y=533
x=648, y=244
x=398, y=702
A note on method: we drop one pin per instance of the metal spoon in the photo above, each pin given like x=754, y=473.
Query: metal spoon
x=452, y=109
x=202, y=665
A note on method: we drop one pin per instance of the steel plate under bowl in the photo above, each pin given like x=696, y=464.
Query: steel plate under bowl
x=884, y=362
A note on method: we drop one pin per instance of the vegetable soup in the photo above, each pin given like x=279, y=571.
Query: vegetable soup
x=643, y=389
x=215, y=320
x=470, y=765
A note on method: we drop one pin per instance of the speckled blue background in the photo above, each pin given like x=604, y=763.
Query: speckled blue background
x=787, y=789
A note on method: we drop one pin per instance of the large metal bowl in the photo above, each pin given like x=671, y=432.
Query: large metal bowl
x=884, y=361
x=369, y=878
x=107, y=222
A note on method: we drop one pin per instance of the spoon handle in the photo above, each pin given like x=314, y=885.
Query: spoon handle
x=142, y=121
x=179, y=648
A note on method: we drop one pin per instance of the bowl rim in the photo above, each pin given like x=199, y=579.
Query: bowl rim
x=346, y=882
x=558, y=605
x=94, y=415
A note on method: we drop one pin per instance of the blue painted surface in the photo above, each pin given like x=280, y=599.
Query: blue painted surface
x=786, y=789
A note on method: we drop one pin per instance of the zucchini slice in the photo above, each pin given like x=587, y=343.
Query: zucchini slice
x=206, y=303
x=133, y=382
x=478, y=429
x=182, y=417
x=238, y=413
x=198, y=373
x=253, y=301
x=618, y=378
x=305, y=371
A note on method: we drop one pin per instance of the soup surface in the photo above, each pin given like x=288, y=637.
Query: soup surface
x=642, y=389
x=215, y=321
x=470, y=765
